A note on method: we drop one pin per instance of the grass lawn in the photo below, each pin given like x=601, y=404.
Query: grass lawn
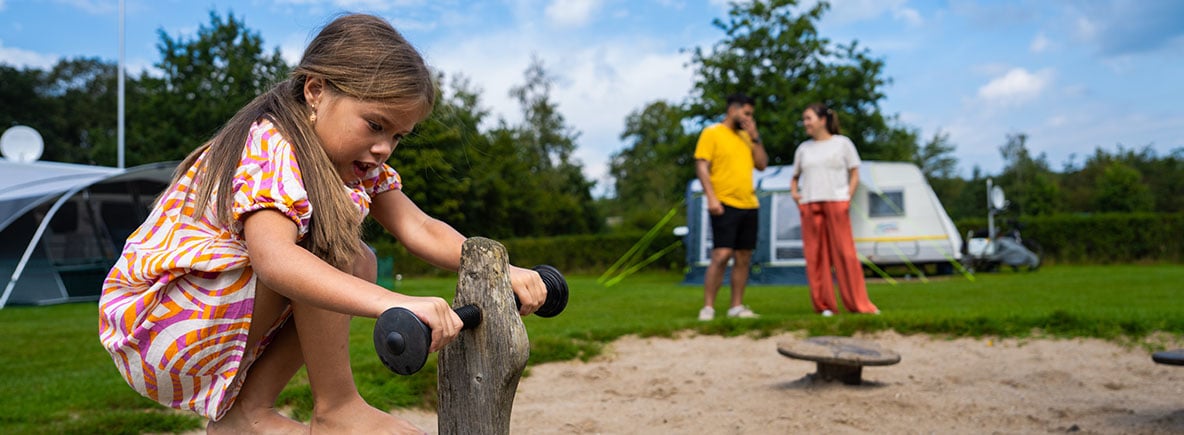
x=56, y=378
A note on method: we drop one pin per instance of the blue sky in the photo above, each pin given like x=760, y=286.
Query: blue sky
x=1073, y=75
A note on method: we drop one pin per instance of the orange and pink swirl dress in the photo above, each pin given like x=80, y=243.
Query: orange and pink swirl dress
x=176, y=307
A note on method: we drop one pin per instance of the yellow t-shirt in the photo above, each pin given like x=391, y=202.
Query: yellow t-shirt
x=731, y=162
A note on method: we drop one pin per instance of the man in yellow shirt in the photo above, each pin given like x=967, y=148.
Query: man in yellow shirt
x=725, y=157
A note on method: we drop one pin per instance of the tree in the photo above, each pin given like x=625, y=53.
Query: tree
x=561, y=198
x=1031, y=185
x=1121, y=189
x=774, y=54
x=71, y=106
x=936, y=160
x=434, y=162
x=651, y=173
x=203, y=83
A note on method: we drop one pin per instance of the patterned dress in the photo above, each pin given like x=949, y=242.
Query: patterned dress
x=176, y=307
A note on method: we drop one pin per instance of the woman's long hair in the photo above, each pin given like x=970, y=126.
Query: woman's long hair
x=359, y=56
x=832, y=118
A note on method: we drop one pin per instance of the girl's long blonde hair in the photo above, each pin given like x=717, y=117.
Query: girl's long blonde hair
x=359, y=56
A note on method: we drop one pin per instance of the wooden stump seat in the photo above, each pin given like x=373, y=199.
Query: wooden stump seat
x=839, y=358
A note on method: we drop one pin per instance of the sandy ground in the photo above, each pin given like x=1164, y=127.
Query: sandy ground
x=741, y=385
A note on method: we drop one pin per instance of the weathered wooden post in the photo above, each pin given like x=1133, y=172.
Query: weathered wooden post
x=480, y=370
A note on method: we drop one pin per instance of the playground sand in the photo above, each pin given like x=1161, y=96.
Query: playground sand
x=741, y=385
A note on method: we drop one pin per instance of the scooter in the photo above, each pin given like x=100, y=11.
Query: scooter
x=988, y=251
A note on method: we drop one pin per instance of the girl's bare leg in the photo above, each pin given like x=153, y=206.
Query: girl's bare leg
x=254, y=410
x=337, y=406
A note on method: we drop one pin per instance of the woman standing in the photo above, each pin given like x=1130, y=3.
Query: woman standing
x=825, y=175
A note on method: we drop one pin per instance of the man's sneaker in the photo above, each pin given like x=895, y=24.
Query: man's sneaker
x=742, y=312
x=827, y=313
x=706, y=314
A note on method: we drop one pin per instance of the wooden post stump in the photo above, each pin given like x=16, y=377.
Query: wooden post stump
x=480, y=370
x=839, y=358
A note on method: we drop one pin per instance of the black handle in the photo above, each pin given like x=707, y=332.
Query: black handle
x=402, y=340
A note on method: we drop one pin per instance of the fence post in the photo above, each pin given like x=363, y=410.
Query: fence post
x=480, y=370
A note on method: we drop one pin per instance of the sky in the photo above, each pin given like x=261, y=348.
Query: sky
x=1072, y=75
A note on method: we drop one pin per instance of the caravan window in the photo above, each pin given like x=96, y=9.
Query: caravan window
x=889, y=203
x=786, y=231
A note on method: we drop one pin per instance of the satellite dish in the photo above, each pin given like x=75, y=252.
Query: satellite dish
x=21, y=144
x=997, y=199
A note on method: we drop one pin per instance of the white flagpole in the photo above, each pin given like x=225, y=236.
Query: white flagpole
x=120, y=133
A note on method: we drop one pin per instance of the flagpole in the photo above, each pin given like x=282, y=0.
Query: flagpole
x=120, y=133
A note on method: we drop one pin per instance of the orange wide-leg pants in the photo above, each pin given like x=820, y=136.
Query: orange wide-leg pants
x=827, y=241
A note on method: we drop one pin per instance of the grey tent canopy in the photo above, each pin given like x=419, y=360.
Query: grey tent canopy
x=63, y=225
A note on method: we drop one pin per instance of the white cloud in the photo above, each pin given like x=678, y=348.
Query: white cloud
x=571, y=12
x=851, y=11
x=1040, y=43
x=1015, y=87
x=1086, y=29
x=1057, y=121
x=26, y=59
x=2, y=5
x=96, y=7
x=675, y=4
x=908, y=15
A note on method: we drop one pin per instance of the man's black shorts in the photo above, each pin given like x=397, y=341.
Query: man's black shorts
x=736, y=228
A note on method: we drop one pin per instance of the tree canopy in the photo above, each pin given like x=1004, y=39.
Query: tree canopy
x=774, y=54
x=499, y=179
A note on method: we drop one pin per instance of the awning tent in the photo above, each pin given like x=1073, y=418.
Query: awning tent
x=63, y=225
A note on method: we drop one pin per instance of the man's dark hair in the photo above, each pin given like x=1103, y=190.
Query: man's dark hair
x=740, y=100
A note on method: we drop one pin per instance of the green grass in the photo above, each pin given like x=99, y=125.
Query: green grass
x=56, y=378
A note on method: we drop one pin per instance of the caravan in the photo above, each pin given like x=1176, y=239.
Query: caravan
x=896, y=219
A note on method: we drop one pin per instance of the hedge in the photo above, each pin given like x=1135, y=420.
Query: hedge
x=1072, y=239
x=582, y=254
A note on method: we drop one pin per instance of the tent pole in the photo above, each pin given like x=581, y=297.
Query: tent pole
x=20, y=266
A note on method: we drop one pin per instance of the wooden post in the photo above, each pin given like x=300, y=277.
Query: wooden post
x=480, y=370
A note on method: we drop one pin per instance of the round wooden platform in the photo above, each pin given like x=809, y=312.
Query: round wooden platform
x=1169, y=357
x=839, y=358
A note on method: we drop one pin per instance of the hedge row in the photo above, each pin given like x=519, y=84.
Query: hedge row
x=583, y=254
x=1074, y=239
x=1100, y=238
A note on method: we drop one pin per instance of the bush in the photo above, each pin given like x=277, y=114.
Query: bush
x=583, y=254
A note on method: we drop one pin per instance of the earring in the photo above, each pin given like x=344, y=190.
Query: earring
x=312, y=117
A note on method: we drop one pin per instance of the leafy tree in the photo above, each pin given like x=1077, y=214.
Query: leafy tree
x=433, y=160
x=71, y=106
x=936, y=158
x=22, y=91
x=1121, y=189
x=651, y=173
x=561, y=197
x=203, y=82
x=1031, y=185
x=85, y=111
x=774, y=53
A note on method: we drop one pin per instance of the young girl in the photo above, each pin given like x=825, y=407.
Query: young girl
x=251, y=263
x=827, y=168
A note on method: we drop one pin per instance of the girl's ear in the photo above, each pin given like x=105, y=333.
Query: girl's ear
x=314, y=89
